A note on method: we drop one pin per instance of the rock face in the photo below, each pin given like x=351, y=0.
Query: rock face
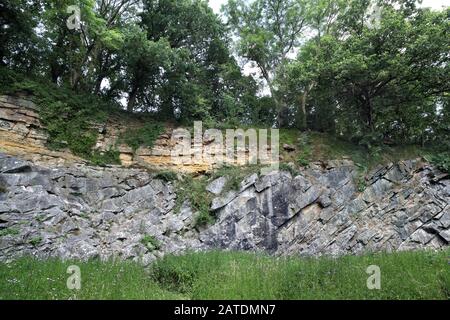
x=405, y=206
x=22, y=134
x=84, y=212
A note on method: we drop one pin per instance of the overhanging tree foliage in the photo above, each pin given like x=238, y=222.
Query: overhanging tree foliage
x=374, y=81
x=382, y=83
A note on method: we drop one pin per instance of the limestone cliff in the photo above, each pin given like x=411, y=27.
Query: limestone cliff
x=54, y=204
x=22, y=134
x=82, y=212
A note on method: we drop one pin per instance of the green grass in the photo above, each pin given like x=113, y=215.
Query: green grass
x=144, y=136
x=194, y=189
x=32, y=279
x=13, y=231
x=217, y=275
x=235, y=275
x=151, y=242
x=166, y=175
x=3, y=189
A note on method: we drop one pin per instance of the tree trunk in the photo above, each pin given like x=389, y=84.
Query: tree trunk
x=77, y=77
x=132, y=99
x=282, y=110
x=54, y=71
x=74, y=77
x=369, y=113
x=282, y=116
x=303, y=101
x=303, y=123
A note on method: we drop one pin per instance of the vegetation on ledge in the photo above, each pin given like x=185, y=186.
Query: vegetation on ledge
x=144, y=136
x=69, y=117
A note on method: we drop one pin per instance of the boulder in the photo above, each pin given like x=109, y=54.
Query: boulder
x=216, y=186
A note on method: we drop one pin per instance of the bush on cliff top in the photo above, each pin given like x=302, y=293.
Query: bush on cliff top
x=68, y=116
x=144, y=136
x=441, y=161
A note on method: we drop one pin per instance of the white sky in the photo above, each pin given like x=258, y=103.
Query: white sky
x=216, y=4
x=436, y=4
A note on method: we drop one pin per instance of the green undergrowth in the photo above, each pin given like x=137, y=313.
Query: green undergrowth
x=102, y=158
x=316, y=146
x=71, y=118
x=166, y=175
x=193, y=189
x=235, y=175
x=440, y=160
x=68, y=116
x=235, y=276
x=144, y=136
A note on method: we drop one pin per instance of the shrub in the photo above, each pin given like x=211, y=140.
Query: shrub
x=67, y=115
x=289, y=168
x=142, y=137
x=194, y=190
x=204, y=218
x=361, y=173
x=441, y=161
x=110, y=156
x=235, y=175
x=166, y=176
x=362, y=184
x=178, y=274
x=151, y=243
x=302, y=161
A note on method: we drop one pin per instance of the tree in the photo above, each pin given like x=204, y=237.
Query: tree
x=384, y=82
x=197, y=85
x=268, y=31
x=145, y=63
x=18, y=18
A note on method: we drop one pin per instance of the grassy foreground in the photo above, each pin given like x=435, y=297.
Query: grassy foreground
x=233, y=275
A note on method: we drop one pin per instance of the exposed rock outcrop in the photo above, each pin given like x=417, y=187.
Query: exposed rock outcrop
x=405, y=206
x=83, y=212
x=22, y=134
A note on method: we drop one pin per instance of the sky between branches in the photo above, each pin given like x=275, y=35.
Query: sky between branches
x=435, y=4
